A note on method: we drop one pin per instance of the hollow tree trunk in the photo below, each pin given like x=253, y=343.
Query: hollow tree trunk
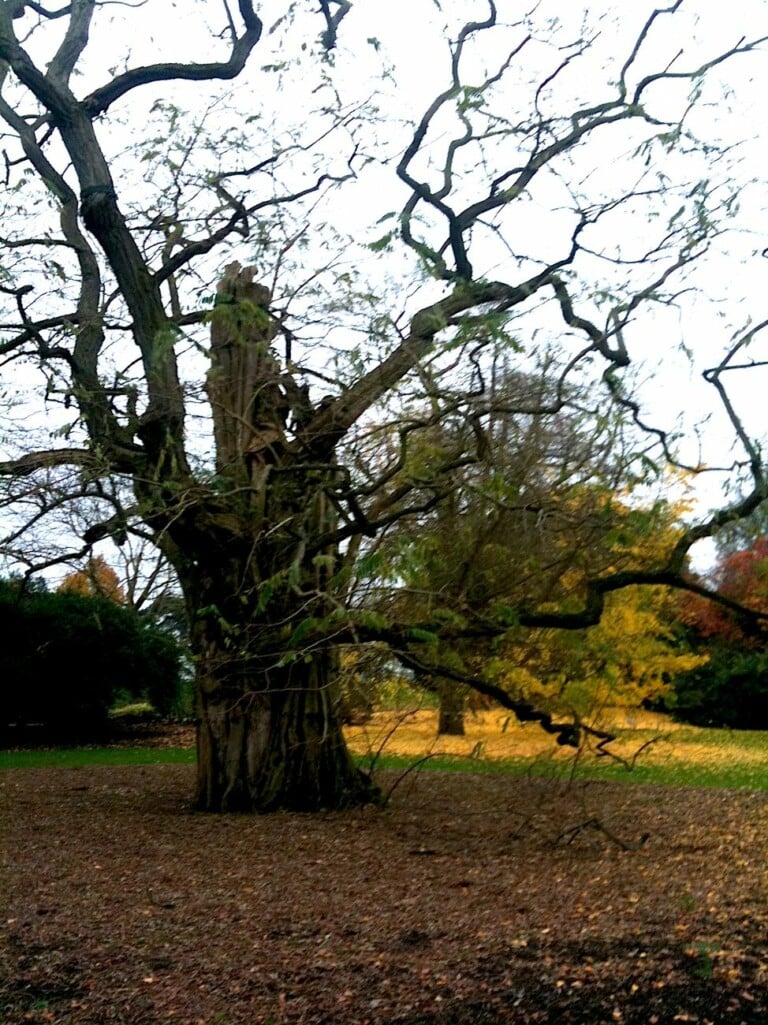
x=274, y=741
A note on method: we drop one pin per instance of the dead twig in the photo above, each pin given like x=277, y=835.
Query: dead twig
x=569, y=835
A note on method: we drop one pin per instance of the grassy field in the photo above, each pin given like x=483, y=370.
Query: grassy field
x=79, y=757
x=652, y=749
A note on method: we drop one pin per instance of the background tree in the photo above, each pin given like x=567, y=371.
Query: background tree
x=567, y=531
x=66, y=656
x=151, y=593
x=626, y=661
x=740, y=575
x=531, y=510
x=96, y=579
x=574, y=219
x=631, y=655
x=730, y=688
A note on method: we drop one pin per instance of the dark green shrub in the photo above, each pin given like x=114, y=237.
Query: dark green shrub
x=63, y=658
x=730, y=690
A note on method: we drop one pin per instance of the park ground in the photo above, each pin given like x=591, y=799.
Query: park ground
x=471, y=899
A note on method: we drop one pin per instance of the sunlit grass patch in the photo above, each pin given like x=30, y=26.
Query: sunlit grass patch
x=649, y=748
x=672, y=754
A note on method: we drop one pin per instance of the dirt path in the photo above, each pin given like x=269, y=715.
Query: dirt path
x=458, y=905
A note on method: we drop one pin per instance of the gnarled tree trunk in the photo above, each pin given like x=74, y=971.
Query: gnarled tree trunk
x=279, y=746
x=253, y=568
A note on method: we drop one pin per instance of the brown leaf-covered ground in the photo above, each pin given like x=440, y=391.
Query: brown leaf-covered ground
x=470, y=900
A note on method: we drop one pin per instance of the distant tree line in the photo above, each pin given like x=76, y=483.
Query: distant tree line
x=66, y=657
x=729, y=688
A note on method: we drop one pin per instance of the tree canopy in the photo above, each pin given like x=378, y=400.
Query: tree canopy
x=730, y=687
x=96, y=579
x=255, y=278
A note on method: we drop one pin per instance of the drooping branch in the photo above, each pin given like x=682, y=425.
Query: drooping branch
x=567, y=733
x=102, y=99
x=402, y=636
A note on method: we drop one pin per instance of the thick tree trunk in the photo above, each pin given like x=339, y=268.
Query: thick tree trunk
x=451, y=711
x=275, y=746
x=269, y=733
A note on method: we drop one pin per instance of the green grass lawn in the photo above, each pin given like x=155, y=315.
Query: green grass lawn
x=79, y=757
x=677, y=775
x=675, y=755
x=729, y=772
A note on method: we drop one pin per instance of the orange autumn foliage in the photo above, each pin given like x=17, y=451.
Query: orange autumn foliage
x=97, y=579
x=741, y=576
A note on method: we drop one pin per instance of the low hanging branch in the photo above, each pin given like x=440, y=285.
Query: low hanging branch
x=567, y=734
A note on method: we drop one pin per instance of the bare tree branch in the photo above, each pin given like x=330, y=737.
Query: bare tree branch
x=100, y=100
x=333, y=20
x=33, y=461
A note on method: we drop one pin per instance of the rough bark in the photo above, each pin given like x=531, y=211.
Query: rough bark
x=277, y=747
x=269, y=733
x=249, y=409
x=451, y=711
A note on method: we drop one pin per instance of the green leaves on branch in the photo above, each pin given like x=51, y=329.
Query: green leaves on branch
x=504, y=615
x=415, y=633
x=383, y=243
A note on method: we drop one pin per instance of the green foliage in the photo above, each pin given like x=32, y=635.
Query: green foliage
x=64, y=657
x=369, y=680
x=731, y=689
x=382, y=243
x=626, y=660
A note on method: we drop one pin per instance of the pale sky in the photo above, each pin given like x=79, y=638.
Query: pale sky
x=729, y=288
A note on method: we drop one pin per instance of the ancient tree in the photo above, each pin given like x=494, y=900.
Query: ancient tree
x=231, y=276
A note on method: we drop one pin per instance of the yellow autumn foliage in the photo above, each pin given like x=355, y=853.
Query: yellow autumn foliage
x=624, y=661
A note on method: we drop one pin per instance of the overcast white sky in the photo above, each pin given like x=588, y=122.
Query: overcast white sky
x=410, y=35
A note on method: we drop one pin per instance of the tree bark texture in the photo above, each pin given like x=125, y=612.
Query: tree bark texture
x=278, y=747
x=269, y=732
x=248, y=406
x=451, y=711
